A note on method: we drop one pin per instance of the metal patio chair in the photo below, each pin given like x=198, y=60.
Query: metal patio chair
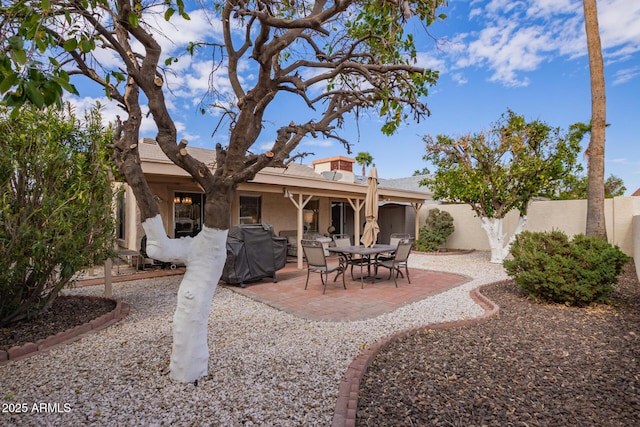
x=398, y=261
x=394, y=239
x=341, y=240
x=317, y=263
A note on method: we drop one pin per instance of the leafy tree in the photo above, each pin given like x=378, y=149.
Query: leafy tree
x=56, y=209
x=575, y=187
x=364, y=159
x=614, y=187
x=501, y=170
x=335, y=58
x=596, y=226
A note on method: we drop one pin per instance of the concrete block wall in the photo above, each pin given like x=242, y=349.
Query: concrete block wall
x=569, y=216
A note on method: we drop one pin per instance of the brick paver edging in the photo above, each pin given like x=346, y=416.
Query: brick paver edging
x=347, y=404
x=70, y=335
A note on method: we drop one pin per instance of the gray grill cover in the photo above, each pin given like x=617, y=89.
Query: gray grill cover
x=253, y=252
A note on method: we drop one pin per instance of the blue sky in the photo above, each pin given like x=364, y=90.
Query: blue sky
x=529, y=56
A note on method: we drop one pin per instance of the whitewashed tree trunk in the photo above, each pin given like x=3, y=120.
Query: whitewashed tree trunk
x=497, y=238
x=204, y=256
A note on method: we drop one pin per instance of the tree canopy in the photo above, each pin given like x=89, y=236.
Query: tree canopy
x=336, y=58
x=502, y=169
x=576, y=187
x=364, y=159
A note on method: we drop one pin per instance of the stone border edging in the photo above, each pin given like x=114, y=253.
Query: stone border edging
x=347, y=403
x=120, y=311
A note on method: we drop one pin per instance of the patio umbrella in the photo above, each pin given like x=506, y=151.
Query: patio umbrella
x=371, y=229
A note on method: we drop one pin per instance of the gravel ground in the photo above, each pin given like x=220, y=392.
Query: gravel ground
x=532, y=365
x=266, y=367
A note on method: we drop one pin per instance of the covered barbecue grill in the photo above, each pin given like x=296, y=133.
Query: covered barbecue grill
x=253, y=252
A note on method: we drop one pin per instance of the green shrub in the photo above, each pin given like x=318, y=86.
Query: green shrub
x=549, y=266
x=438, y=226
x=55, y=215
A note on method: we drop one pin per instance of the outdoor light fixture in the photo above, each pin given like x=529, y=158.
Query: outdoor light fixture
x=287, y=195
x=186, y=200
x=308, y=216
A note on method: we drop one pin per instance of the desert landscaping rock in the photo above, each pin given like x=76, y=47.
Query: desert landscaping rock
x=266, y=367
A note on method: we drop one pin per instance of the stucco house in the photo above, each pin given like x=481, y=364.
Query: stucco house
x=300, y=198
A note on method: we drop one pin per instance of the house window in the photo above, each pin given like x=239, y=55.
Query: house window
x=187, y=214
x=250, y=209
x=120, y=221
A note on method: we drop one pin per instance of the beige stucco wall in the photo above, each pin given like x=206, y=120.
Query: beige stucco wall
x=568, y=216
x=281, y=213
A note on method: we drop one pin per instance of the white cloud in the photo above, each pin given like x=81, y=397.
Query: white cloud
x=174, y=35
x=265, y=146
x=508, y=49
x=517, y=37
x=424, y=60
x=543, y=9
x=310, y=142
x=459, y=79
x=618, y=160
x=618, y=21
x=110, y=111
x=625, y=75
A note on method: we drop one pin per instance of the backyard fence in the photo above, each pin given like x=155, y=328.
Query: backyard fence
x=570, y=216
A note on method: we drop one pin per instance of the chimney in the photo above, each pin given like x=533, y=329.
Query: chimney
x=337, y=168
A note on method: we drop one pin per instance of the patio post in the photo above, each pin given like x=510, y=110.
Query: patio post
x=416, y=208
x=300, y=204
x=108, y=288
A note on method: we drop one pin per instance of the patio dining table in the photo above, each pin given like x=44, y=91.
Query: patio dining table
x=368, y=254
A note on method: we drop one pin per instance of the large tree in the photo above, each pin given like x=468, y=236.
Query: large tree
x=500, y=170
x=595, y=169
x=335, y=58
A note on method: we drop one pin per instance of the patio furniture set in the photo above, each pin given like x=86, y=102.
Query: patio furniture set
x=392, y=256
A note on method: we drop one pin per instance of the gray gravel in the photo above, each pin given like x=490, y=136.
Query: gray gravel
x=266, y=367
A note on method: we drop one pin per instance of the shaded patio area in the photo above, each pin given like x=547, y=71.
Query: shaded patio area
x=338, y=304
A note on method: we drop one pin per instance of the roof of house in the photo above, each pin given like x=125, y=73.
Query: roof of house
x=636, y=193
x=294, y=176
x=408, y=183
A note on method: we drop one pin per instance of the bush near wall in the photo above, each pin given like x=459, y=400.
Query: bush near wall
x=550, y=267
x=433, y=236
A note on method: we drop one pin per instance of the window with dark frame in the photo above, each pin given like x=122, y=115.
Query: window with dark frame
x=250, y=210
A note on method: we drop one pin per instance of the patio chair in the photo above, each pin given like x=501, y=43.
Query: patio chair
x=394, y=239
x=398, y=261
x=341, y=240
x=317, y=263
